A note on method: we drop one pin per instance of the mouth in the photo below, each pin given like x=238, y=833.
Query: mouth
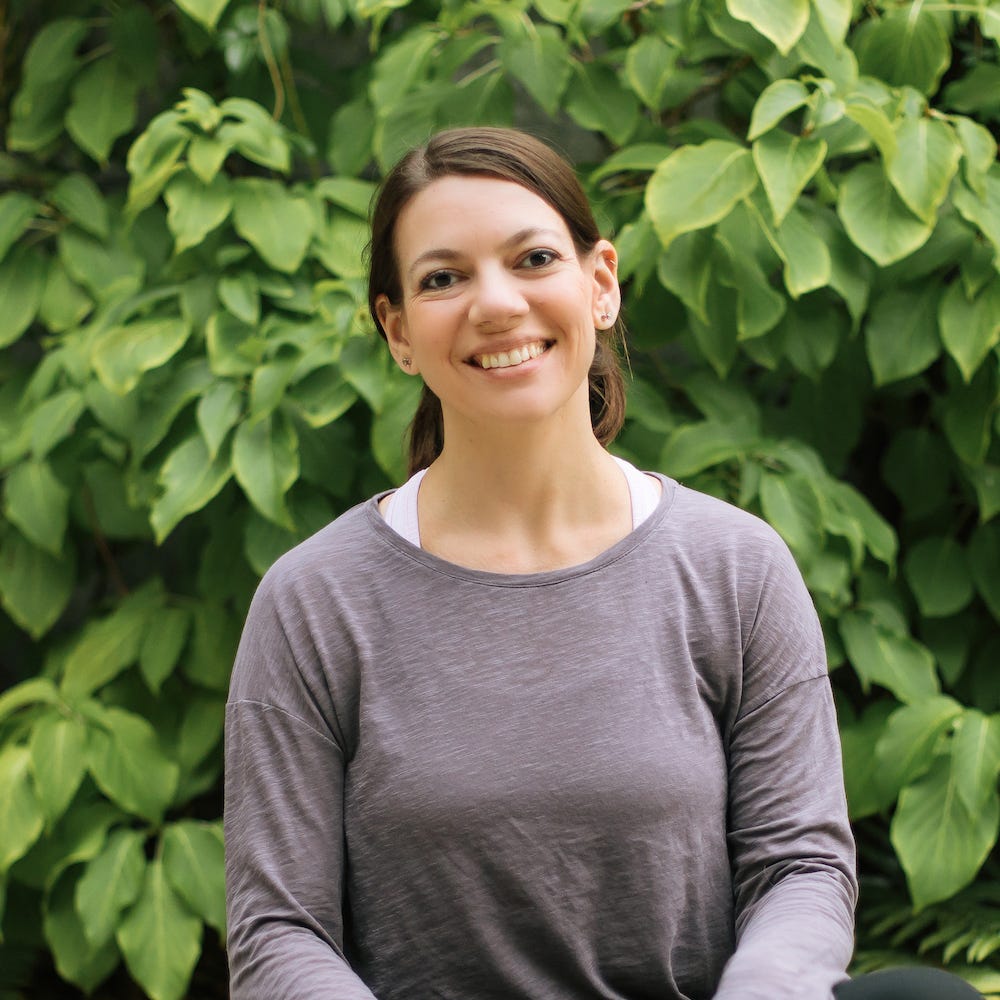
x=513, y=357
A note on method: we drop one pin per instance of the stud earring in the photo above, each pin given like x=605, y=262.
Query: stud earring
x=605, y=317
x=407, y=362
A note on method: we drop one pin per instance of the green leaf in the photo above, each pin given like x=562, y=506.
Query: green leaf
x=776, y=101
x=218, y=411
x=874, y=120
x=805, y=254
x=348, y=192
x=110, y=883
x=835, y=16
x=153, y=159
x=967, y=412
x=240, y=294
x=35, y=691
x=539, y=59
x=901, y=335
x=867, y=792
x=276, y=224
x=596, y=100
x=126, y=762
x=21, y=818
x=322, y=396
x=759, y=307
x=194, y=865
x=989, y=20
x=75, y=959
x=685, y=268
x=649, y=64
x=266, y=463
x=979, y=149
x=976, y=758
x=984, y=558
x=938, y=573
x=22, y=281
x=53, y=420
x=906, y=47
x=352, y=131
x=160, y=938
x=166, y=635
x=205, y=157
x=57, y=762
x=103, y=107
x=34, y=586
x=400, y=64
x=64, y=303
x=907, y=747
x=38, y=107
x=38, y=504
x=125, y=353
x=109, y=645
x=781, y=21
x=792, y=505
x=986, y=482
x=927, y=157
x=982, y=211
x=190, y=477
x=398, y=405
x=109, y=269
x=875, y=217
x=195, y=208
x=697, y=186
x=691, y=448
x=255, y=135
x=205, y=12
x=16, y=212
x=895, y=662
x=786, y=163
x=970, y=329
x=878, y=534
x=213, y=647
x=940, y=842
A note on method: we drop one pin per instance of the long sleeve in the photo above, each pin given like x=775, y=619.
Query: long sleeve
x=790, y=842
x=284, y=827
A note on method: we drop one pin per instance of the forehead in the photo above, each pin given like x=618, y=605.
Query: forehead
x=458, y=211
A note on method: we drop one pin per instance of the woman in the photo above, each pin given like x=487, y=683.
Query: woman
x=535, y=725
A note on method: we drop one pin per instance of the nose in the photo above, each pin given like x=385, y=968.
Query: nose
x=498, y=301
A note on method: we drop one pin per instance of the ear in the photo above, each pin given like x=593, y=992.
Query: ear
x=394, y=325
x=607, y=298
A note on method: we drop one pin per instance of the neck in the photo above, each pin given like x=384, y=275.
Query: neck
x=523, y=498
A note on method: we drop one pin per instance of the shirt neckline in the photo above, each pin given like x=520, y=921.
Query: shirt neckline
x=444, y=567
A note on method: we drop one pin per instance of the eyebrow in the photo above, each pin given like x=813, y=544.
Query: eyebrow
x=444, y=254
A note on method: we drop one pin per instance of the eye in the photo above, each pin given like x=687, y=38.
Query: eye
x=437, y=281
x=535, y=259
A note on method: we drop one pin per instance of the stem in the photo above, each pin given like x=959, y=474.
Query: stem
x=270, y=62
x=103, y=549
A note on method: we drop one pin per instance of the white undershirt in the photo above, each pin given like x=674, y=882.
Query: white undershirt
x=401, y=509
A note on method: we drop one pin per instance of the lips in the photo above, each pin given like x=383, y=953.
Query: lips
x=513, y=357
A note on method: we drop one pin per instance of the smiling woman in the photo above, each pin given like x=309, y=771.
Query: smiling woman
x=536, y=725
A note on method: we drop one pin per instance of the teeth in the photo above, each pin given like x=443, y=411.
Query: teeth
x=508, y=359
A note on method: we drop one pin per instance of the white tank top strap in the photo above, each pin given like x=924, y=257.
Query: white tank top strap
x=643, y=490
x=401, y=510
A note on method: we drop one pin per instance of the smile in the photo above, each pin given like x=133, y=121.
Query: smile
x=517, y=356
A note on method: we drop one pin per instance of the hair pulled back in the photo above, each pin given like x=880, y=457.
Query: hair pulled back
x=509, y=155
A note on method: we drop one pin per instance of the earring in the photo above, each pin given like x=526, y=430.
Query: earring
x=407, y=362
x=605, y=317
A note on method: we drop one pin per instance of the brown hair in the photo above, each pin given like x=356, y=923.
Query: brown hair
x=509, y=155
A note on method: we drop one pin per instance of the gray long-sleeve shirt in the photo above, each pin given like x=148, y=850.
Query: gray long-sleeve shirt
x=620, y=780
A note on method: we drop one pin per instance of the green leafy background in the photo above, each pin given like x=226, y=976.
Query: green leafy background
x=806, y=199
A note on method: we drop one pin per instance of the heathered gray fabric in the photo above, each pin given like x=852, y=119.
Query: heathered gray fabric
x=589, y=783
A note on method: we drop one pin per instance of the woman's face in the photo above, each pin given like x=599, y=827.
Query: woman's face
x=497, y=310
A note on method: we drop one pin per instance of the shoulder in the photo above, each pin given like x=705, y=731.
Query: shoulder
x=711, y=531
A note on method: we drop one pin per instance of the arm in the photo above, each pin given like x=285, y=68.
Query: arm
x=790, y=842
x=284, y=827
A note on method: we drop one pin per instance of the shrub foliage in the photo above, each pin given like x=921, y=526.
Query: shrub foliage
x=806, y=198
